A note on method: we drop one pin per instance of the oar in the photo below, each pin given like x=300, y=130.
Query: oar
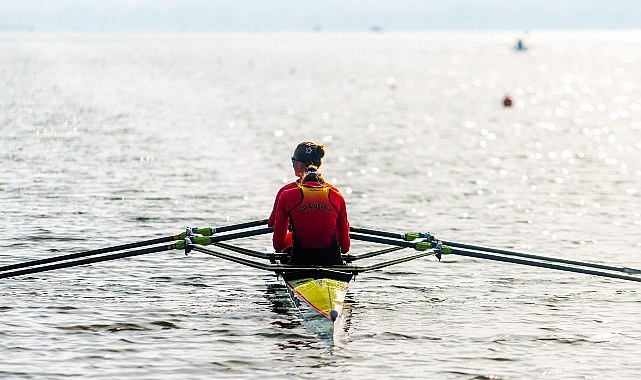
x=543, y=258
x=514, y=260
x=504, y=255
x=178, y=245
x=91, y=260
x=94, y=252
x=123, y=247
x=429, y=237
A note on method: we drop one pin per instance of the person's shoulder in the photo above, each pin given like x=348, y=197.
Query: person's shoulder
x=289, y=197
x=289, y=186
x=289, y=191
x=333, y=188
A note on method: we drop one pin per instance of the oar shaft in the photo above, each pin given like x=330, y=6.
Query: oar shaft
x=94, y=252
x=242, y=234
x=240, y=226
x=514, y=260
x=161, y=240
x=91, y=260
x=381, y=240
x=368, y=231
x=537, y=257
x=209, y=231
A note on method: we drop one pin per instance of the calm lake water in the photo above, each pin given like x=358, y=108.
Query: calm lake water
x=115, y=138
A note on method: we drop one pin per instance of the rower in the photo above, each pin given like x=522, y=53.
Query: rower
x=305, y=154
x=317, y=216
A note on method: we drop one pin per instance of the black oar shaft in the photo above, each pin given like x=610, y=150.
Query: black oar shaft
x=94, y=252
x=91, y=260
x=368, y=231
x=242, y=234
x=514, y=260
x=144, y=243
x=375, y=239
x=537, y=257
x=240, y=226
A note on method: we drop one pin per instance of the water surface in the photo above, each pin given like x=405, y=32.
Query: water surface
x=112, y=138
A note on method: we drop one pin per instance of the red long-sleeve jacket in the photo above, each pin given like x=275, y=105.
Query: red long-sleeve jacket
x=317, y=214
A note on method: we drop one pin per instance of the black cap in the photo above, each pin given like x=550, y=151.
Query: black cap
x=309, y=153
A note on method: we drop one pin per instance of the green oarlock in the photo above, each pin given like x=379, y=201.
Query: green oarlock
x=206, y=231
x=201, y=240
x=411, y=236
x=422, y=246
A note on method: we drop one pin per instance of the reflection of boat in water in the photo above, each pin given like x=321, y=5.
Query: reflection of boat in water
x=276, y=294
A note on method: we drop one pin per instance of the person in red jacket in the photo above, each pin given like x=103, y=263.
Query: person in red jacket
x=317, y=215
x=306, y=153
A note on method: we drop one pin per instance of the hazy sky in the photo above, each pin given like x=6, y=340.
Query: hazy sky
x=307, y=15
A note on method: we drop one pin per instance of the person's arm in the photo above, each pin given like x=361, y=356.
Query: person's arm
x=272, y=216
x=281, y=222
x=342, y=225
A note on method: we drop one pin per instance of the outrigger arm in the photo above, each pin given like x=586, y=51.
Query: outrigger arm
x=197, y=243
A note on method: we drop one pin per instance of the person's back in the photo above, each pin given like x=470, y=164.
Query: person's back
x=317, y=215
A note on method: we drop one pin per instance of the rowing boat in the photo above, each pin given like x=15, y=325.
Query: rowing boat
x=317, y=292
x=318, y=295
